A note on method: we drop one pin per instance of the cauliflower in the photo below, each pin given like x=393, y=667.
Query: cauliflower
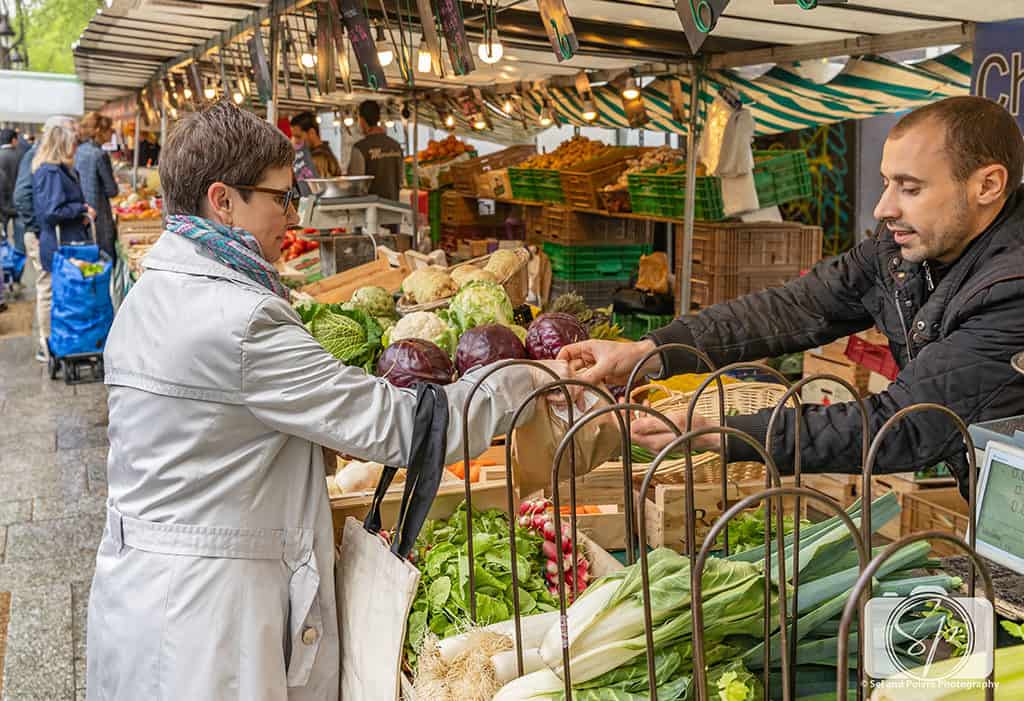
x=375, y=301
x=424, y=286
x=502, y=264
x=465, y=274
x=425, y=325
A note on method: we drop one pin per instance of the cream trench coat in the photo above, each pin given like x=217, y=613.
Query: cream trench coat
x=214, y=578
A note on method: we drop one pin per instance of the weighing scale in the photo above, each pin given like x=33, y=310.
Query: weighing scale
x=999, y=446
x=364, y=214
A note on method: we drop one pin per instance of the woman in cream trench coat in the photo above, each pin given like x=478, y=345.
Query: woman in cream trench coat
x=214, y=577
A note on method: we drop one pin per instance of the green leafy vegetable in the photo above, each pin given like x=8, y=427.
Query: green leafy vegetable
x=350, y=335
x=480, y=303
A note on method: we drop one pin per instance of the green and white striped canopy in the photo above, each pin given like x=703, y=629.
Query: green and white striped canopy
x=781, y=100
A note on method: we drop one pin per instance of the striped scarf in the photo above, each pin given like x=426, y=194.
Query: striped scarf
x=232, y=246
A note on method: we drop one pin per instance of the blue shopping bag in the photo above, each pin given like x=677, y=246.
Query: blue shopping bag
x=82, y=313
x=12, y=261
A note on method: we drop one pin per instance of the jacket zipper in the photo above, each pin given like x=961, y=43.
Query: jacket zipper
x=903, y=325
x=928, y=277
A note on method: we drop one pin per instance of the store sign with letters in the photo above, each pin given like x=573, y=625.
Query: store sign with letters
x=998, y=71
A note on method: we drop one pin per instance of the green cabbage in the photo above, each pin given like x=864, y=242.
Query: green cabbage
x=350, y=335
x=478, y=303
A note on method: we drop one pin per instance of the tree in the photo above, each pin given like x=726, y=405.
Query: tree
x=51, y=26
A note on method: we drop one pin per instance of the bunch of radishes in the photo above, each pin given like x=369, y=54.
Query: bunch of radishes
x=536, y=515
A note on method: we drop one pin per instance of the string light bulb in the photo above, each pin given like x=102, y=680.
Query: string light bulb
x=424, y=61
x=188, y=93
x=630, y=91
x=508, y=106
x=449, y=120
x=349, y=120
x=589, y=110
x=479, y=122
x=384, y=53
x=307, y=59
x=238, y=97
x=491, y=49
x=209, y=92
x=389, y=119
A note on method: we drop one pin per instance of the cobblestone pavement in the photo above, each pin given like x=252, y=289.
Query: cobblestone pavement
x=53, y=452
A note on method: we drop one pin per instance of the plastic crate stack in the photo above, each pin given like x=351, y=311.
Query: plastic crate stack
x=734, y=259
x=591, y=255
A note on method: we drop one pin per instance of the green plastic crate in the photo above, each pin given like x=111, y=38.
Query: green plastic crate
x=781, y=176
x=636, y=326
x=536, y=185
x=580, y=263
x=434, y=213
x=665, y=195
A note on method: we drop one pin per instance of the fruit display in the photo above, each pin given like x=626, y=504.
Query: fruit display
x=442, y=150
x=661, y=156
x=138, y=206
x=576, y=150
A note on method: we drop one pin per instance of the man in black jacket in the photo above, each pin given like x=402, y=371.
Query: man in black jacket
x=943, y=279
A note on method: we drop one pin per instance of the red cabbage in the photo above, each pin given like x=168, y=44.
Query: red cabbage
x=413, y=360
x=550, y=332
x=483, y=345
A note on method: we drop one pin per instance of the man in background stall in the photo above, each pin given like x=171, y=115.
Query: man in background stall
x=306, y=133
x=377, y=154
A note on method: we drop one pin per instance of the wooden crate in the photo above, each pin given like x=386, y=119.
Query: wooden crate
x=582, y=185
x=465, y=176
x=902, y=484
x=494, y=185
x=825, y=392
x=843, y=489
x=936, y=509
x=491, y=492
x=456, y=209
x=339, y=288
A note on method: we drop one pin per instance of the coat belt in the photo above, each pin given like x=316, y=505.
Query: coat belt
x=293, y=545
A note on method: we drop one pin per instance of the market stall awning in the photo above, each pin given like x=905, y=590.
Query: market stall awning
x=32, y=97
x=127, y=45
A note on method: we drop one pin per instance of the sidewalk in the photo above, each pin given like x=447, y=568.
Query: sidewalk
x=53, y=450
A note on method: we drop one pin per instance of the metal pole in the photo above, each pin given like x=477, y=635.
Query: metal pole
x=275, y=41
x=135, y=151
x=416, y=174
x=689, y=214
x=163, y=123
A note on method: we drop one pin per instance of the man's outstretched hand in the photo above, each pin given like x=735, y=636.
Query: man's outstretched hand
x=609, y=362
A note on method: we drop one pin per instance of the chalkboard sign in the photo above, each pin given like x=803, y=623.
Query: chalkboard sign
x=454, y=29
x=362, y=41
x=555, y=17
x=324, y=48
x=341, y=50
x=699, y=17
x=260, y=66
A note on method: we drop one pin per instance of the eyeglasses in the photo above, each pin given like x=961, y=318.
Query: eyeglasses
x=286, y=198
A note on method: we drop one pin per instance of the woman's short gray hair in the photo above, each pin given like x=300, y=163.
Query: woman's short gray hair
x=220, y=144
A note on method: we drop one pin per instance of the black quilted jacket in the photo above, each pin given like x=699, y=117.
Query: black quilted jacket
x=952, y=329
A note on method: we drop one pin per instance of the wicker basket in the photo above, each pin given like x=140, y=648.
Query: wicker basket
x=516, y=285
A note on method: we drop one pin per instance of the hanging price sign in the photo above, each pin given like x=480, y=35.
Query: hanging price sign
x=362, y=42
x=558, y=25
x=699, y=17
x=324, y=48
x=454, y=28
x=260, y=66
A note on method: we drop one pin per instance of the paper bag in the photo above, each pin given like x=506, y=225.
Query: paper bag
x=534, y=445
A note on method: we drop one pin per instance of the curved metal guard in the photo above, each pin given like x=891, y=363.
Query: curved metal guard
x=512, y=506
x=705, y=552
x=797, y=458
x=860, y=590
x=627, y=457
x=972, y=468
x=698, y=632
x=486, y=373
x=619, y=410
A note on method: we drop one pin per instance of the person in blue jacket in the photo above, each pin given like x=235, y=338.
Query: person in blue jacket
x=58, y=202
x=96, y=176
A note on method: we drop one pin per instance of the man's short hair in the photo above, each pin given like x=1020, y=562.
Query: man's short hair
x=369, y=110
x=220, y=144
x=979, y=133
x=7, y=136
x=305, y=121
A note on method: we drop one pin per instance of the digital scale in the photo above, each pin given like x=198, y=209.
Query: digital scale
x=999, y=447
x=366, y=214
